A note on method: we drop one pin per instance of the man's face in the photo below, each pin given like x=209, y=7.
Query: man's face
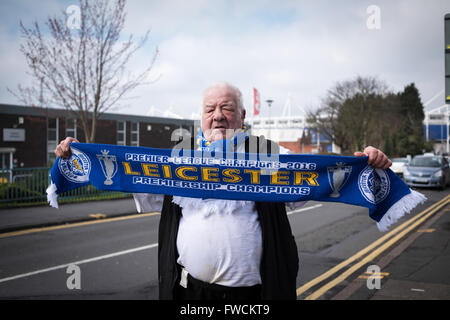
x=220, y=114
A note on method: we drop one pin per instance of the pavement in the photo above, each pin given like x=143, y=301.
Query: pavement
x=15, y=219
x=415, y=269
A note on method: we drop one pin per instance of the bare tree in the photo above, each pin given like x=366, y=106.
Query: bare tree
x=83, y=69
x=349, y=113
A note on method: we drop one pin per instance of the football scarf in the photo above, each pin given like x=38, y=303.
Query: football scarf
x=215, y=171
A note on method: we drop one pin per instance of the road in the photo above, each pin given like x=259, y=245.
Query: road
x=117, y=258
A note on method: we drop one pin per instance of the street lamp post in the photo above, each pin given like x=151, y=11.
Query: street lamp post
x=269, y=103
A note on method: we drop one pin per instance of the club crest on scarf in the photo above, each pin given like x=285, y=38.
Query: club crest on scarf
x=337, y=177
x=374, y=184
x=109, y=166
x=76, y=168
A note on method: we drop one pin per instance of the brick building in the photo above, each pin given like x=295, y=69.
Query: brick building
x=29, y=135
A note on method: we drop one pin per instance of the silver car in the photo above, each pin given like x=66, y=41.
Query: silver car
x=427, y=171
x=398, y=164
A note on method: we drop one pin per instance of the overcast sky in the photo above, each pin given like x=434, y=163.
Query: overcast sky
x=280, y=47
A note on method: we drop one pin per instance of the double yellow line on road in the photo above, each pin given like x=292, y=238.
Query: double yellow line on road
x=383, y=243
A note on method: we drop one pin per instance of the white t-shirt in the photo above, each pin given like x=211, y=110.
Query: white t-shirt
x=218, y=241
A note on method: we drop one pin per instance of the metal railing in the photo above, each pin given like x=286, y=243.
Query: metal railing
x=21, y=186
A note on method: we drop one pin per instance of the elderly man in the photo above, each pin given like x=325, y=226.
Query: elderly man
x=225, y=249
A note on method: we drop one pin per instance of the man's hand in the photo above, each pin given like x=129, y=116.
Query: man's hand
x=63, y=148
x=377, y=159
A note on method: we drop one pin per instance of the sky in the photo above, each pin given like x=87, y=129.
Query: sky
x=283, y=48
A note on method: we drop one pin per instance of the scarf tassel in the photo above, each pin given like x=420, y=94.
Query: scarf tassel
x=400, y=208
x=52, y=196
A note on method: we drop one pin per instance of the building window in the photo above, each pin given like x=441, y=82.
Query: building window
x=52, y=138
x=6, y=156
x=135, y=134
x=71, y=128
x=436, y=116
x=121, y=133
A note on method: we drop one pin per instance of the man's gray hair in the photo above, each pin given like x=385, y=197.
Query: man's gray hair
x=237, y=92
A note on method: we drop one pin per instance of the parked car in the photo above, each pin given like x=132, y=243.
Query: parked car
x=427, y=171
x=398, y=165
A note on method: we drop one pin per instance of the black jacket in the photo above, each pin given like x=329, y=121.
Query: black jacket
x=279, y=262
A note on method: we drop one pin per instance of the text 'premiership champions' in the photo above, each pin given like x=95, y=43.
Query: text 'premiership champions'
x=210, y=173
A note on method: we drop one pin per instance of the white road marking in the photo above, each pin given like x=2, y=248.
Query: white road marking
x=62, y=266
x=305, y=209
x=111, y=255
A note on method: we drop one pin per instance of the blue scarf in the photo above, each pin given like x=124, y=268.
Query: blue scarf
x=208, y=173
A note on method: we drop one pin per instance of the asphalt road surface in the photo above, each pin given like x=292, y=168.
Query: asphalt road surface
x=117, y=258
